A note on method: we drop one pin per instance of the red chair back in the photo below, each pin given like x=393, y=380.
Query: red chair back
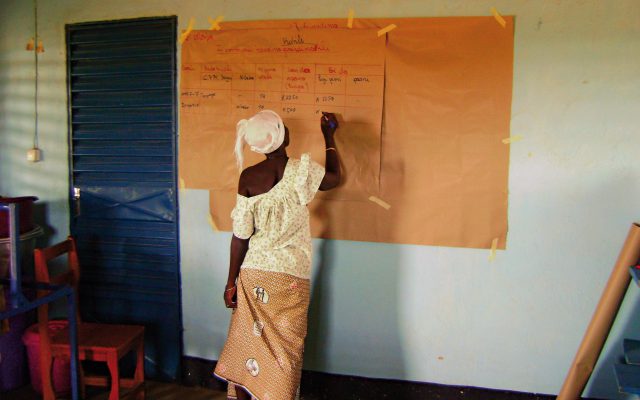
x=71, y=276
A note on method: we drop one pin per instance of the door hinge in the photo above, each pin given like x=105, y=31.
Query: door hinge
x=76, y=201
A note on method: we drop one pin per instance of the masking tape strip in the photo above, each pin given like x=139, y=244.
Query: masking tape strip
x=213, y=224
x=380, y=202
x=350, y=19
x=512, y=139
x=215, y=23
x=181, y=183
x=31, y=45
x=186, y=33
x=386, y=29
x=492, y=252
x=498, y=17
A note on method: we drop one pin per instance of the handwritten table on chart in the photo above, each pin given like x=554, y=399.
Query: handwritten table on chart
x=230, y=75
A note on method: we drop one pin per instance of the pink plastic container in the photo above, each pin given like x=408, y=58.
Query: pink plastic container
x=13, y=363
x=61, y=374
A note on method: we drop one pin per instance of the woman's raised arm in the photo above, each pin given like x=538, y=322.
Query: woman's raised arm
x=329, y=125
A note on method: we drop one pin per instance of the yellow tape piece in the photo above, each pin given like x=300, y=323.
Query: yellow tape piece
x=494, y=246
x=498, y=17
x=512, y=139
x=215, y=23
x=386, y=29
x=186, y=33
x=213, y=224
x=181, y=183
x=350, y=19
x=31, y=45
x=380, y=202
x=40, y=48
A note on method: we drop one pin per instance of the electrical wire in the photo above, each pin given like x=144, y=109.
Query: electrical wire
x=35, y=52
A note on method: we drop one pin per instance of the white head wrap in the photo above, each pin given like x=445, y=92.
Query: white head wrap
x=264, y=132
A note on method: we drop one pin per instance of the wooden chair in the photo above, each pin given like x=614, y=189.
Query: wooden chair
x=96, y=342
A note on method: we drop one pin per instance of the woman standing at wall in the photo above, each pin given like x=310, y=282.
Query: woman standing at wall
x=270, y=264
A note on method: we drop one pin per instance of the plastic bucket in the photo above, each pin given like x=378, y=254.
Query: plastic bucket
x=61, y=373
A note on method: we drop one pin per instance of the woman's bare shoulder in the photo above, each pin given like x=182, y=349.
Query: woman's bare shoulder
x=252, y=177
x=255, y=171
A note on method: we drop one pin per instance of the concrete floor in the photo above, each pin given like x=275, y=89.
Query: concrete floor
x=355, y=389
x=154, y=391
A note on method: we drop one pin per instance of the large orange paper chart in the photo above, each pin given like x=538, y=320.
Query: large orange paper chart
x=423, y=110
x=230, y=75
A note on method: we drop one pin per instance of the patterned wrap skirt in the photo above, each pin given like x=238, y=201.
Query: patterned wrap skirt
x=263, y=351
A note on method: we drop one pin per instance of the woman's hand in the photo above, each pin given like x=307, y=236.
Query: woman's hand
x=239, y=249
x=230, y=296
x=328, y=124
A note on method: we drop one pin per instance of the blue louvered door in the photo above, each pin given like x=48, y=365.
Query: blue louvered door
x=124, y=206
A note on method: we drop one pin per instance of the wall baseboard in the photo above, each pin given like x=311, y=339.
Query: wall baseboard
x=322, y=385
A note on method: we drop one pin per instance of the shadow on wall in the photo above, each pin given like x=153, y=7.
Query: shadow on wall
x=47, y=179
x=603, y=384
x=19, y=177
x=41, y=212
x=353, y=326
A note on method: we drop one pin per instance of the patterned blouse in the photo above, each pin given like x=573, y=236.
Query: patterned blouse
x=277, y=222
